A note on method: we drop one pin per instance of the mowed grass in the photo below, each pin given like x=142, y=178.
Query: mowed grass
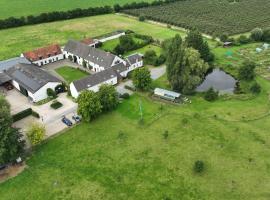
x=15, y=8
x=115, y=157
x=71, y=74
x=18, y=40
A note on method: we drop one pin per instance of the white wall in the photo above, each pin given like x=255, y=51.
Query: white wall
x=16, y=85
x=75, y=93
x=112, y=37
x=42, y=92
x=49, y=60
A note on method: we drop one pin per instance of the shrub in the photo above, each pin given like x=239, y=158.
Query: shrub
x=255, y=88
x=56, y=104
x=51, y=93
x=141, y=18
x=125, y=96
x=247, y=71
x=21, y=115
x=35, y=114
x=129, y=88
x=166, y=134
x=243, y=39
x=211, y=95
x=198, y=166
x=36, y=133
x=256, y=34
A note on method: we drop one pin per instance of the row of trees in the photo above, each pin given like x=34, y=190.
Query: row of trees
x=187, y=62
x=91, y=104
x=11, y=142
x=53, y=16
x=260, y=35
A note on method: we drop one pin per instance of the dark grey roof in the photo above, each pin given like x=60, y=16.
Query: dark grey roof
x=94, y=79
x=4, y=78
x=6, y=64
x=120, y=67
x=132, y=59
x=97, y=56
x=30, y=76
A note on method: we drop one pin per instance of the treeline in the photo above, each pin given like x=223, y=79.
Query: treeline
x=12, y=22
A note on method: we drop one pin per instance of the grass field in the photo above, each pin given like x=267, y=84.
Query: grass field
x=71, y=74
x=26, y=38
x=116, y=158
x=211, y=16
x=17, y=8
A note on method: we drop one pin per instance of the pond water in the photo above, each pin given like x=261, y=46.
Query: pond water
x=220, y=81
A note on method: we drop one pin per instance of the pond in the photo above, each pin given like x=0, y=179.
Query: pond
x=220, y=81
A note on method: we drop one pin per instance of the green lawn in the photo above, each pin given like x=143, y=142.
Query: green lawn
x=71, y=74
x=18, y=40
x=18, y=8
x=116, y=158
x=157, y=49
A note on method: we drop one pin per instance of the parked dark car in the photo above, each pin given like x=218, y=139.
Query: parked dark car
x=76, y=118
x=66, y=121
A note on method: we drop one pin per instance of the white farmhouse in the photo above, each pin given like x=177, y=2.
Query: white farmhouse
x=93, y=82
x=96, y=59
x=45, y=55
x=32, y=81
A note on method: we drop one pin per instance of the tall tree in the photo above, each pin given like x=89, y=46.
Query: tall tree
x=142, y=78
x=195, y=40
x=247, y=71
x=11, y=143
x=108, y=97
x=89, y=106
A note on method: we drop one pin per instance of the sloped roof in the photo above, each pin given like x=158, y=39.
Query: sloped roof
x=97, y=56
x=43, y=53
x=6, y=64
x=88, y=41
x=4, y=78
x=134, y=58
x=94, y=79
x=120, y=67
x=30, y=76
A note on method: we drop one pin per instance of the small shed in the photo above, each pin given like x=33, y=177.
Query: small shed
x=265, y=46
x=258, y=50
x=227, y=44
x=166, y=94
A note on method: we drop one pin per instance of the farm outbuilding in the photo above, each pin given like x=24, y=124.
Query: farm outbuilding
x=166, y=94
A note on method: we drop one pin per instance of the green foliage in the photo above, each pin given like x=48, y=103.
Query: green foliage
x=125, y=96
x=247, y=71
x=51, y=93
x=211, y=95
x=266, y=35
x=142, y=78
x=56, y=104
x=166, y=134
x=89, y=106
x=198, y=166
x=243, y=39
x=108, y=97
x=151, y=58
x=255, y=88
x=11, y=142
x=185, y=68
x=256, y=34
x=224, y=37
x=21, y=115
x=141, y=18
x=36, y=133
x=195, y=40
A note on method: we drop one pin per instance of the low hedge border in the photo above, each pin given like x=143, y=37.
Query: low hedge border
x=25, y=113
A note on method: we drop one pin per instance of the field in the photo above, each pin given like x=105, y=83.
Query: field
x=211, y=16
x=71, y=74
x=116, y=158
x=15, y=8
x=18, y=40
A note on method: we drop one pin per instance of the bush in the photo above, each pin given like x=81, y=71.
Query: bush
x=255, y=88
x=35, y=114
x=256, y=34
x=129, y=88
x=56, y=104
x=243, y=39
x=51, y=93
x=21, y=115
x=36, y=133
x=125, y=96
x=211, y=95
x=141, y=18
x=247, y=71
x=198, y=166
x=166, y=134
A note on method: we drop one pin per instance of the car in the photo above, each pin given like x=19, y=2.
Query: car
x=66, y=121
x=76, y=118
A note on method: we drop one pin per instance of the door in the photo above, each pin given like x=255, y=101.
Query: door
x=23, y=91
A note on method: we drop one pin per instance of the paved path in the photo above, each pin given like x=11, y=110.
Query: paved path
x=156, y=72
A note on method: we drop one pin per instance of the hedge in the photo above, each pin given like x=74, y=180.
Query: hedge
x=23, y=114
x=56, y=104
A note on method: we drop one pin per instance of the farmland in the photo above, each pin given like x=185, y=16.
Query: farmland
x=18, y=40
x=211, y=16
x=15, y=8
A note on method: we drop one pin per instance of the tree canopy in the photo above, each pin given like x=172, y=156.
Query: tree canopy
x=11, y=143
x=108, y=97
x=142, y=78
x=247, y=71
x=89, y=106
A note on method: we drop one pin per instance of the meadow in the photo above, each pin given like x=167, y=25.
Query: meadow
x=17, y=8
x=213, y=17
x=18, y=40
x=115, y=157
